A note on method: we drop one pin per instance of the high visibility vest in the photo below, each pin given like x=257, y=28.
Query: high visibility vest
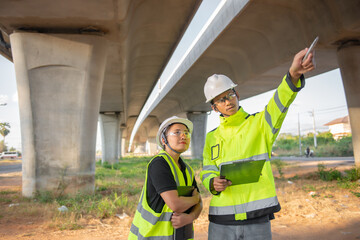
x=148, y=224
x=247, y=137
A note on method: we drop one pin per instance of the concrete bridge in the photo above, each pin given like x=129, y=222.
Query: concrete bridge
x=78, y=60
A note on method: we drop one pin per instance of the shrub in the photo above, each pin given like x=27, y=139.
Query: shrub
x=352, y=174
x=344, y=146
x=328, y=175
x=44, y=196
x=288, y=145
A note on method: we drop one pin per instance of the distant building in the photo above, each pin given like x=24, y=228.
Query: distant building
x=339, y=127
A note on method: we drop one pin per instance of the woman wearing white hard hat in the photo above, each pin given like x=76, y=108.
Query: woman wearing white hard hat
x=163, y=211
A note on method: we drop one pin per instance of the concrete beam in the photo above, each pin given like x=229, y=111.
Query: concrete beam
x=59, y=80
x=349, y=62
x=110, y=131
x=198, y=136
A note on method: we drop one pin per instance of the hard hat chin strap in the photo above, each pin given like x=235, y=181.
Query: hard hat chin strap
x=167, y=143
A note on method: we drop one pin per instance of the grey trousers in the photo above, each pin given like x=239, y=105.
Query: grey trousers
x=258, y=231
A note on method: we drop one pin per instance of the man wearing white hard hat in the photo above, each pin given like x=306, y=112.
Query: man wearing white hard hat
x=161, y=208
x=244, y=211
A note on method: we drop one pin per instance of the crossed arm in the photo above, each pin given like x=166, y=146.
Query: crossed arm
x=180, y=204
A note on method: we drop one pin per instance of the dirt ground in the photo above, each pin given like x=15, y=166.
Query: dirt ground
x=310, y=210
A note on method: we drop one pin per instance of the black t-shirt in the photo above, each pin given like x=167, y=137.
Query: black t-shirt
x=160, y=179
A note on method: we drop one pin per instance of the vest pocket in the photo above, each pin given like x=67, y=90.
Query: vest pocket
x=215, y=152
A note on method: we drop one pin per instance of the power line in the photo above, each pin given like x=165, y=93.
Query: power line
x=327, y=110
x=332, y=108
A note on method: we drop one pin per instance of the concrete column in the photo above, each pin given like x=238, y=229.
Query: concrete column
x=349, y=62
x=123, y=145
x=198, y=137
x=151, y=146
x=120, y=143
x=59, y=80
x=109, y=137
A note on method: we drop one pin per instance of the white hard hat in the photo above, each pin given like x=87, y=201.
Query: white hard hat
x=216, y=85
x=168, y=122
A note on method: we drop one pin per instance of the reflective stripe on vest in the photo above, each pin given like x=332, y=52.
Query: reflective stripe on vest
x=149, y=217
x=243, y=208
x=268, y=120
x=135, y=230
x=281, y=107
x=211, y=168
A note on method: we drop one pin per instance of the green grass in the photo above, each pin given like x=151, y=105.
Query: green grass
x=279, y=165
x=7, y=192
x=357, y=194
x=308, y=188
x=117, y=190
x=5, y=200
x=118, y=187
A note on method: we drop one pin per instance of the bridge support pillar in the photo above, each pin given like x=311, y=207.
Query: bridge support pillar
x=110, y=131
x=151, y=146
x=349, y=62
x=59, y=81
x=198, y=137
x=121, y=143
x=122, y=147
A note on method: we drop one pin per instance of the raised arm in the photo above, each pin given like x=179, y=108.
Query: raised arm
x=275, y=112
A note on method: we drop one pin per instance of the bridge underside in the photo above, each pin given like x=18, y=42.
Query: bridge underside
x=75, y=59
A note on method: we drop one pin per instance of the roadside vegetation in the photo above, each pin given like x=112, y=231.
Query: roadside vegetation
x=348, y=179
x=117, y=191
x=4, y=131
x=327, y=146
x=118, y=188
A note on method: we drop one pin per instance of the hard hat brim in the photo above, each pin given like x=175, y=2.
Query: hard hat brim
x=233, y=86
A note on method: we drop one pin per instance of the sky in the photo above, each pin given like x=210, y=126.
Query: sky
x=323, y=94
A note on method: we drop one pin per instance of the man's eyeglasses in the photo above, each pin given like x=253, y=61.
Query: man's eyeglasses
x=180, y=133
x=222, y=100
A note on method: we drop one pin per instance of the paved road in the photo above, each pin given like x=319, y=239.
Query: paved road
x=315, y=158
x=314, y=161
x=346, y=160
x=10, y=168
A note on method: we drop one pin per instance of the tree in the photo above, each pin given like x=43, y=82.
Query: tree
x=3, y=148
x=4, y=130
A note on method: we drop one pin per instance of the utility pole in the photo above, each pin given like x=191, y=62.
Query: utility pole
x=299, y=133
x=313, y=115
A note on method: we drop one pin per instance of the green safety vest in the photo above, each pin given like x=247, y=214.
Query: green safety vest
x=247, y=137
x=148, y=224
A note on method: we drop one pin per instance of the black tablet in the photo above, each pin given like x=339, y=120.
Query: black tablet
x=242, y=172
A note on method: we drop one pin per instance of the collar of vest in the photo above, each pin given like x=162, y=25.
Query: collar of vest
x=235, y=119
x=163, y=152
